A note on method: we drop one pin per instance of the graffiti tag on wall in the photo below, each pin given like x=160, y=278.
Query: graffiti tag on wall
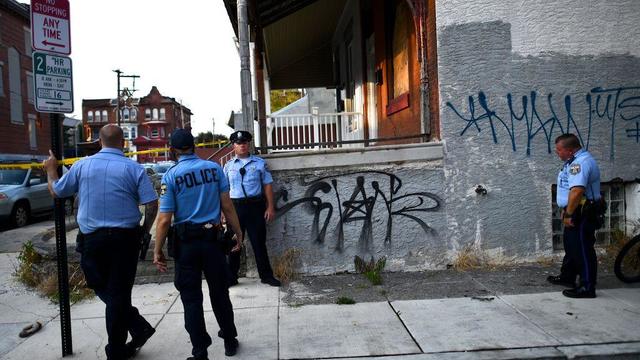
x=548, y=118
x=360, y=206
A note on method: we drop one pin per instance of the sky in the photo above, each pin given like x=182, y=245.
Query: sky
x=185, y=48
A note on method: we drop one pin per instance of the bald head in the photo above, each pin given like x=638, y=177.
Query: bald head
x=111, y=136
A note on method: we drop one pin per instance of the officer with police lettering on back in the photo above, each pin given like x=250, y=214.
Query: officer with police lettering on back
x=193, y=193
x=252, y=195
x=110, y=187
x=578, y=194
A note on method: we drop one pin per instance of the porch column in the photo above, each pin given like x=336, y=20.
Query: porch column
x=258, y=59
x=245, y=67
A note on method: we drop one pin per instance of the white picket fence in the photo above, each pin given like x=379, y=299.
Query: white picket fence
x=302, y=130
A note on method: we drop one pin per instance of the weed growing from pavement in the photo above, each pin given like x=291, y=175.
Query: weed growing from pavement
x=343, y=300
x=471, y=257
x=372, y=270
x=284, y=267
x=36, y=272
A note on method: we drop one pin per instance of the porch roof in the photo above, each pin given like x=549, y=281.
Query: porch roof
x=297, y=39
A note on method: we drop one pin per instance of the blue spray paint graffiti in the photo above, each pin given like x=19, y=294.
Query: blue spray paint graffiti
x=621, y=103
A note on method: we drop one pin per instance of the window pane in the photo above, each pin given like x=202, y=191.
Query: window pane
x=30, y=93
x=162, y=114
x=401, y=50
x=155, y=114
x=147, y=114
x=105, y=116
x=15, y=87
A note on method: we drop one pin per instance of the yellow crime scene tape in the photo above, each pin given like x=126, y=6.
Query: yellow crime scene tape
x=70, y=161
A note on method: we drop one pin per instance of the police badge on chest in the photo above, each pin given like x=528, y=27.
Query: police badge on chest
x=574, y=169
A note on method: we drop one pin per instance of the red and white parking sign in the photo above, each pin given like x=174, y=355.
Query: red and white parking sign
x=50, y=29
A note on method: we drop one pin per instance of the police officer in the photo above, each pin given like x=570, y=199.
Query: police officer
x=578, y=189
x=110, y=187
x=192, y=193
x=252, y=195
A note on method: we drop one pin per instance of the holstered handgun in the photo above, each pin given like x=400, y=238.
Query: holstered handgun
x=145, y=240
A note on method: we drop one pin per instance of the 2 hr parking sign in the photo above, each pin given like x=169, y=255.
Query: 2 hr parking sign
x=53, y=78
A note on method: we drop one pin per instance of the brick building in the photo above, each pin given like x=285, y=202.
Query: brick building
x=24, y=133
x=147, y=122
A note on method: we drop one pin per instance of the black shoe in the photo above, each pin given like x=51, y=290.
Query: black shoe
x=231, y=346
x=271, y=281
x=233, y=282
x=197, y=358
x=138, y=340
x=580, y=293
x=559, y=280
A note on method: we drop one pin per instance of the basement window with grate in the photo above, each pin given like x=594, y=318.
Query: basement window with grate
x=614, y=218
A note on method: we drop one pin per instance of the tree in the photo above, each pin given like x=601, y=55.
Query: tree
x=282, y=98
x=207, y=137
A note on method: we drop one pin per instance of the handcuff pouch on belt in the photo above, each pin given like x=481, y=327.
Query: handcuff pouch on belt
x=594, y=211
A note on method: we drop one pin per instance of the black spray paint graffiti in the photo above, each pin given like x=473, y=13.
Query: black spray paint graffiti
x=360, y=206
x=622, y=103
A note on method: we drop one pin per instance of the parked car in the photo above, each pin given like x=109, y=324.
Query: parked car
x=22, y=194
x=162, y=167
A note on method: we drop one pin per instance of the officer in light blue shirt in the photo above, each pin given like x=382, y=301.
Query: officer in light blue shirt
x=193, y=193
x=110, y=187
x=578, y=194
x=252, y=194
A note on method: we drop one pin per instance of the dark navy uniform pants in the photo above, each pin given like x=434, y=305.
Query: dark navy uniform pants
x=109, y=260
x=198, y=253
x=252, y=223
x=580, y=254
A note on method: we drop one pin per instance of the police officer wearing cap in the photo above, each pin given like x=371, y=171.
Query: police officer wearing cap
x=578, y=194
x=193, y=193
x=252, y=195
x=110, y=187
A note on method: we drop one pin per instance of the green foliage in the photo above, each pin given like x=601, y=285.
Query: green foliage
x=343, y=300
x=205, y=137
x=371, y=269
x=282, y=98
x=28, y=259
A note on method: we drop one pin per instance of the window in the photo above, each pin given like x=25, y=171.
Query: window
x=30, y=92
x=37, y=176
x=154, y=133
x=125, y=114
x=27, y=41
x=614, y=217
x=96, y=116
x=400, y=50
x=147, y=114
x=133, y=133
x=15, y=87
x=155, y=114
x=162, y=132
x=134, y=114
x=90, y=116
x=163, y=114
x=95, y=133
x=33, y=137
x=105, y=116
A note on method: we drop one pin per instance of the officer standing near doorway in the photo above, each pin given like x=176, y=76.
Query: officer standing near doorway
x=252, y=195
x=193, y=193
x=110, y=187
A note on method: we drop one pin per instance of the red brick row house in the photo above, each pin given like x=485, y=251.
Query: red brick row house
x=147, y=122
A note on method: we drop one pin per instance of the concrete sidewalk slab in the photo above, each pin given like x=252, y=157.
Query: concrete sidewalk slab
x=630, y=297
x=148, y=298
x=545, y=353
x=580, y=321
x=465, y=324
x=11, y=240
x=257, y=334
x=250, y=293
x=322, y=331
x=89, y=340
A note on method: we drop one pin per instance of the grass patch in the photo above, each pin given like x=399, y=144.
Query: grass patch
x=284, y=267
x=372, y=269
x=611, y=251
x=471, y=257
x=36, y=272
x=343, y=300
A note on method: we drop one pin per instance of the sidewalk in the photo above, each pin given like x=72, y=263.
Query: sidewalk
x=543, y=325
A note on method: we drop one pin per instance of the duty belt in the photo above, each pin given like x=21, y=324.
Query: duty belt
x=186, y=226
x=248, y=200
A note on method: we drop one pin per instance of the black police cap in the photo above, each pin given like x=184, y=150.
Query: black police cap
x=181, y=139
x=240, y=136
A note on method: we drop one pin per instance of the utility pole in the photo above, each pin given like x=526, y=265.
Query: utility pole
x=119, y=73
x=245, y=67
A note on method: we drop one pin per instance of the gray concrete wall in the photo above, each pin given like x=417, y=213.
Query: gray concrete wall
x=513, y=78
x=333, y=214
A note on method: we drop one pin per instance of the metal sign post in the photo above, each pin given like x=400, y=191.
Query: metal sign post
x=53, y=86
x=61, y=244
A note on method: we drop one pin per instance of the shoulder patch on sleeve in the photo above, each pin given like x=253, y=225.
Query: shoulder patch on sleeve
x=163, y=189
x=574, y=169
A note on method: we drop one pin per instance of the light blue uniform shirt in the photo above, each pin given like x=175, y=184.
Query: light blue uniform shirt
x=191, y=189
x=110, y=187
x=581, y=170
x=256, y=174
